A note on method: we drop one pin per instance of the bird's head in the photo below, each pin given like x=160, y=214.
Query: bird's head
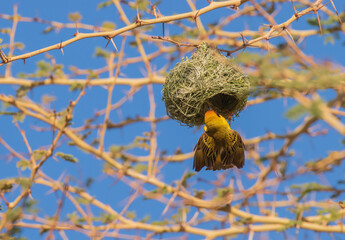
x=214, y=121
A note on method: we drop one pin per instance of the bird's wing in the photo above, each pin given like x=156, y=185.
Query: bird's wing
x=205, y=154
x=233, y=154
x=214, y=157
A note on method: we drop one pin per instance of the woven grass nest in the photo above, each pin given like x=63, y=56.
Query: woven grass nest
x=206, y=80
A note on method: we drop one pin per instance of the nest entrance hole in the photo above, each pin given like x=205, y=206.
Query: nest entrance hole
x=223, y=103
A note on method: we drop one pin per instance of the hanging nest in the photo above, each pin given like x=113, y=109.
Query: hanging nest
x=206, y=80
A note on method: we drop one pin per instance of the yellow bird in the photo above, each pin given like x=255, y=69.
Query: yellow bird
x=219, y=147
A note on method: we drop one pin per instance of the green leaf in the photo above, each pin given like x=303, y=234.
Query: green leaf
x=39, y=154
x=107, y=218
x=22, y=75
x=109, y=25
x=334, y=214
x=186, y=177
x=30, y=206
x=92, y=74
x=140, y=4
x=140, y=167
x=23, y=164
x=74, y=17
x=5, y=30
x=22, y=91
x=14, y=215
x=100, y=52
x=329, y=39
x=223, y=192
x=199, y=194
x=296, y=112
x=48, y=30
x=67, y=157
x=44, y=69
x=161, y=223
x=158, y=191
x=5, y=185
x=104, y=4
x=131, y=214
x=19, y=117
x=291, y=224
x=315, y=108
x=74, y=218
x=24, y=182
x=145, y=219
x=76, y=86
x=83, y=201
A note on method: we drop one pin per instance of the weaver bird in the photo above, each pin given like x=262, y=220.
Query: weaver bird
x=219, y=147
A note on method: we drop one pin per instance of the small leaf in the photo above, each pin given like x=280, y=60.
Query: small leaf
x=39, y=154
x=109, y=25
x=14, y=215
x=22, y=91
x=186, y=177
x=107, y=218
x=76, y=86
x=5, y=185
x=131, y=214
x=101, y=53
x=74, y=17
x=296, y=112
x=67, y=157
x=24, y=182
x=104, y=4
x=19, y=117
x=48, y=30
x=23, y=164
x=140, y=4
x=83, y=201
x=140, y=168
x=5, y=30
x=161, y=223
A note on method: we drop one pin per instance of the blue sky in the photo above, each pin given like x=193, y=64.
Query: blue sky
x=253, y=121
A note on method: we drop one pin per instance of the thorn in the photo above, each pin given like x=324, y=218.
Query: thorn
x=76, y=26
x=318, y=20
x=107, y=43
x=61, y=48
x=112, y=41
x=296, y=13
x=234, y=7
x=138, y=20
x=244, y=40
x=210, y=1
x=24, y=61
x=3, y=56
x=339, y=19
x=163, y=29
x=289, y=35
x=196, y=15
